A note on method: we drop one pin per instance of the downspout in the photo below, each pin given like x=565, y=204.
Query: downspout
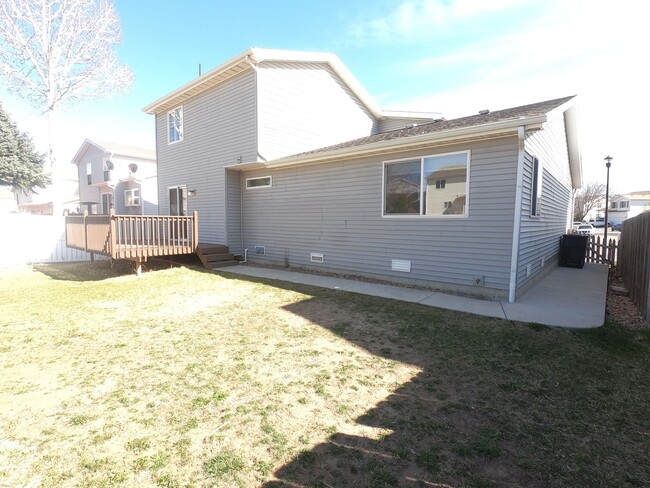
x=516, y=229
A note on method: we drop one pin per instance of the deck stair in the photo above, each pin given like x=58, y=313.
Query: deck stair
x=215, y=256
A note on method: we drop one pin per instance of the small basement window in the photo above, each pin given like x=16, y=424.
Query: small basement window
x=132, y=197
x=261, y=182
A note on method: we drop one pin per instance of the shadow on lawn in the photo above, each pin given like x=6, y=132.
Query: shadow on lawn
x=111, y=268
x=496, y=403
x=440, y=431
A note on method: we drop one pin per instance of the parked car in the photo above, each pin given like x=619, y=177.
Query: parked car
x=586, y=230
x=618, y=226
x=598, y=223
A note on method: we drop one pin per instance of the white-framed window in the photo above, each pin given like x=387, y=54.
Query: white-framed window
x=260, y=182
x=614, y=205
x=132, y=197
x=175, y=125
x=430, y=186
x=625, y=204
x=177, y=200
x=89, y=172
x=536, y=188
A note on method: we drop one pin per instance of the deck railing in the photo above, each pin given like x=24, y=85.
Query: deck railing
x=133, y=236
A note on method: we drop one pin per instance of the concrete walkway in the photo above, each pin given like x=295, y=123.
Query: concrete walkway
x=567, y=297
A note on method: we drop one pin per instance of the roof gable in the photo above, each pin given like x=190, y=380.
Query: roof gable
x=248, y=60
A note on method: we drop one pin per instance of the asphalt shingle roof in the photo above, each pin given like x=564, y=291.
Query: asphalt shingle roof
x=524, y=111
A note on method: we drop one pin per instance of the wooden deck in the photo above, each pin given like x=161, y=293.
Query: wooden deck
x=135, y=237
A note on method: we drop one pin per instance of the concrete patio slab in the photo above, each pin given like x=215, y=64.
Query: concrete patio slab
x=567, y=297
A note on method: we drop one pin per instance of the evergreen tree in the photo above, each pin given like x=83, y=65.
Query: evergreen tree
x=21, y=167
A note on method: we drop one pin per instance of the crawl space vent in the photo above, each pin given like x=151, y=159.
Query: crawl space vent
x=317, y=257
x=260, y=250
x=401, y=265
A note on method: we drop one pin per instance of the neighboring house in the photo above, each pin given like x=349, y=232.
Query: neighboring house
x=40, y=201
x=284, y=154
x=623, y=207
x=115, y=176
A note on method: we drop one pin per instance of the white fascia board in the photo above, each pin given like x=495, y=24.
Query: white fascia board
x=399, y=114
x=503, y=128
x=152, y=108
x=83, y=148
x=259, y=55
x=246, y=166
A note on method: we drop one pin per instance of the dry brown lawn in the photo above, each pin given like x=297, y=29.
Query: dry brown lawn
x=190, y=378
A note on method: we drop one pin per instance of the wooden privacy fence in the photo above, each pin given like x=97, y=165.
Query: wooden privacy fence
x=634, y=260
x=599, y=252
x=133, y=236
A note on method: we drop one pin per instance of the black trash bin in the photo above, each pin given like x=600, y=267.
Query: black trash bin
x=573, y=250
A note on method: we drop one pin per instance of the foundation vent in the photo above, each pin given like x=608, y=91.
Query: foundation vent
x=317, y=257
x=401, y=265
x=260, y=250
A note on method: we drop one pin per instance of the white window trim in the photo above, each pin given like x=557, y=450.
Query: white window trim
x=540, y=183
x=259, y=178
x=182, y=131
x=132, y=192
x=420, y=216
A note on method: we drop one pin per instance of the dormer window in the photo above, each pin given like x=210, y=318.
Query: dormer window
x=175, y=125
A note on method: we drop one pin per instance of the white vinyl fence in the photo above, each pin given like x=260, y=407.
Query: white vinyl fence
x=26, y=238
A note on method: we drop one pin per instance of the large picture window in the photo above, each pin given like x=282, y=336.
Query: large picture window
x=175, y=125
x=430, y=186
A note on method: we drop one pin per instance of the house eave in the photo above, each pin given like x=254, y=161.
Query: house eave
x=494, y=130
x=243, y=62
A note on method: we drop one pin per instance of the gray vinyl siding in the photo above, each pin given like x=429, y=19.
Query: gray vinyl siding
x=302, y=106
x=336, y=209
x=540, y=236
x=219, y=127
x=149, y=195
x=394, y=123
x=96, y=158
x=233, y=194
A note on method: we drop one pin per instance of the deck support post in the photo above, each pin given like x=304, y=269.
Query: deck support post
x=138, y=266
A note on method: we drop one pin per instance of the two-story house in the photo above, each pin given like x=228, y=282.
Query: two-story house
x=287, y=158
x=115, y=176
x=623, y=207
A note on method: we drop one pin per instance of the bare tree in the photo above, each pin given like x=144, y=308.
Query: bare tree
x=587, y=199
x=56, y=51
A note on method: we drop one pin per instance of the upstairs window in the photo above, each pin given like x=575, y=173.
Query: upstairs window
x=536, y=188
x=624, y=204
x=89, y=172
x=432, y=186
x=108, y=166
x=175, y=125
x=614, y=205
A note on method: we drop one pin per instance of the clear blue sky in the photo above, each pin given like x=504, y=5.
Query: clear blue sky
x=453, y=56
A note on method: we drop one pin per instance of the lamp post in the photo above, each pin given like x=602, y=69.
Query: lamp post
x=608, y=163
